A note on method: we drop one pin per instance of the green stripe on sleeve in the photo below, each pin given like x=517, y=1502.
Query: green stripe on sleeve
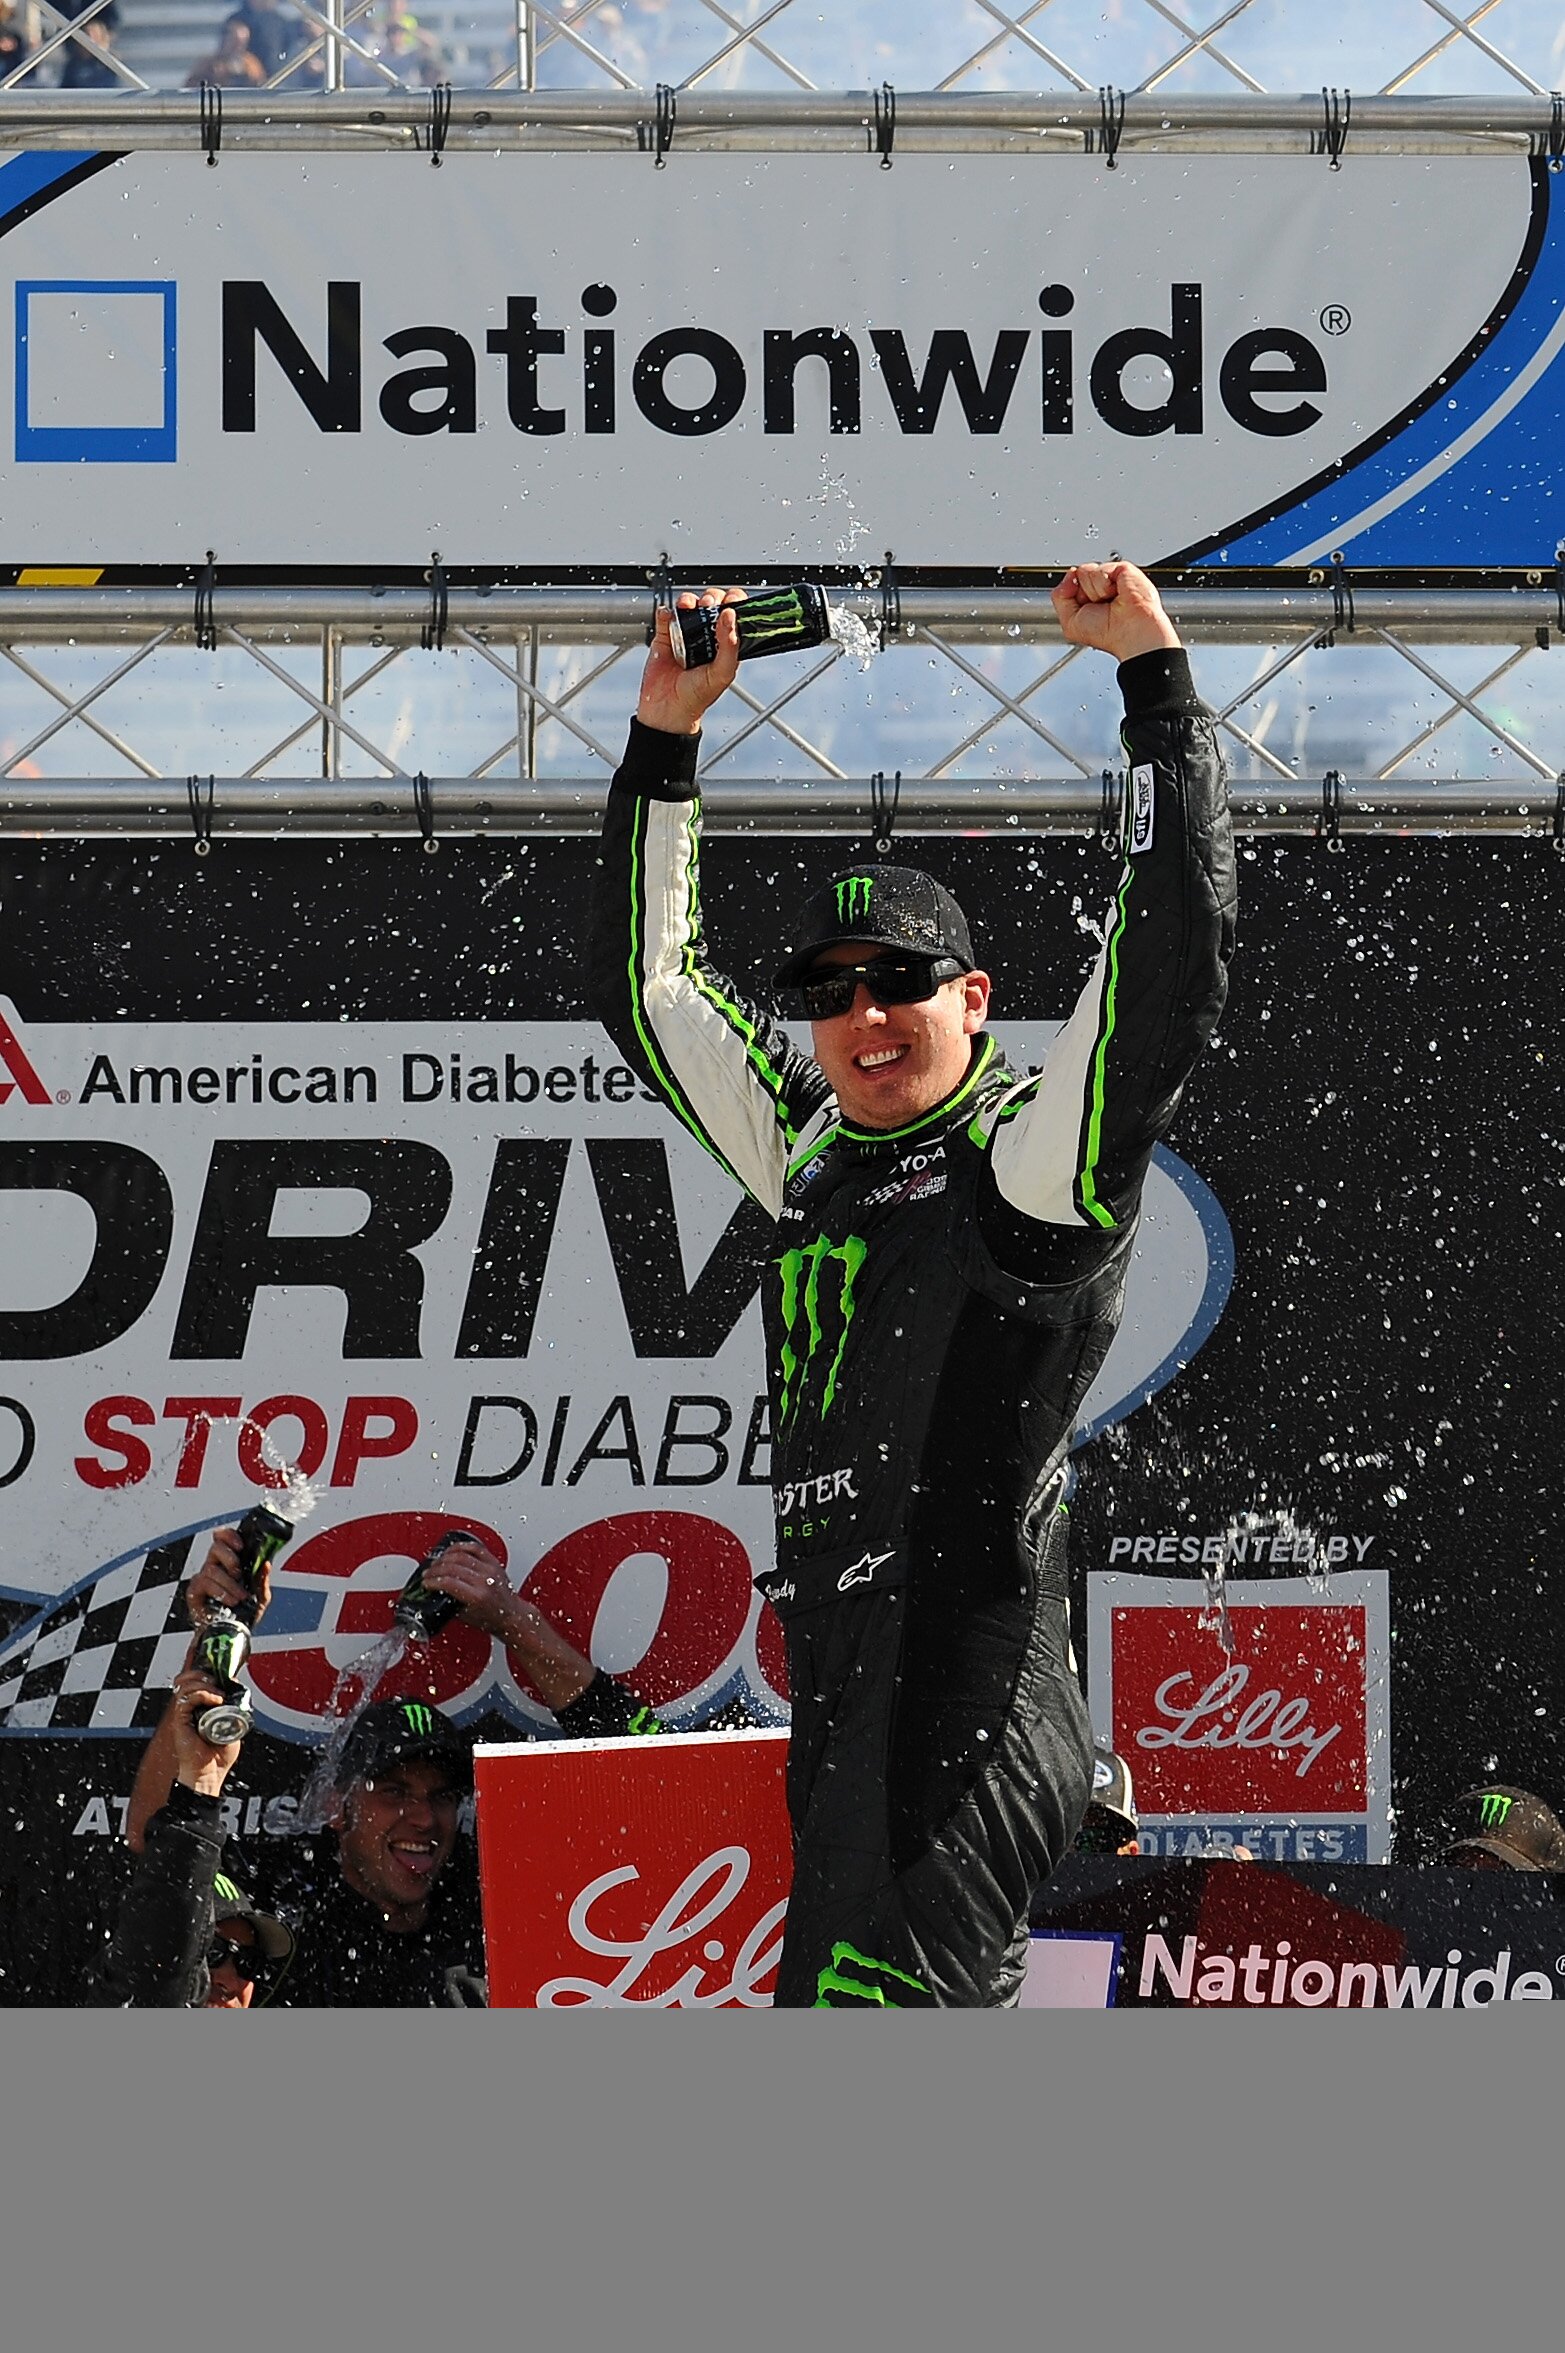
x=1096, y=1209
x=664, y=1077
x=737, y=1020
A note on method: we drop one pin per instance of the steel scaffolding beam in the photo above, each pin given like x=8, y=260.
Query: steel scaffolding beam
x=577, y=615
x=230, y=808
x=1047, y=120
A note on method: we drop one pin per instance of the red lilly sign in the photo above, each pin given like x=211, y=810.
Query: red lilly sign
x=626, y=1872
x=1275, y=1738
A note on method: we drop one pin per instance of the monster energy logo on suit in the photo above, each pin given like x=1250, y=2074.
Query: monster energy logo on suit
x=801, y=1300
x=861, y=1979
x=853, y=895
x=1494, y=1808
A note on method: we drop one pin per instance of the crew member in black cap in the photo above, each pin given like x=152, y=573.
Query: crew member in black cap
x=385, y=1905
x=1110, y=1825
x=381, y=1913
x=951, y=1250
x=1500, y=1828
x=187, y=1937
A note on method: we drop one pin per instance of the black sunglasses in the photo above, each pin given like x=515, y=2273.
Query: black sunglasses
x=247, y=1959
x=890, y=980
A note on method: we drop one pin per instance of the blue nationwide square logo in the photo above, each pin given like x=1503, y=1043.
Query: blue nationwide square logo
x=95, y=371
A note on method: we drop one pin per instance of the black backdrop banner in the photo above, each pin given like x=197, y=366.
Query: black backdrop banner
x=1382, y=1120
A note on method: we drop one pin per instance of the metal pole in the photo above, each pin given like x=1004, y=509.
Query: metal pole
x=570, y=614
x=1363, y=810
x=332, y=62
x=1045, y=121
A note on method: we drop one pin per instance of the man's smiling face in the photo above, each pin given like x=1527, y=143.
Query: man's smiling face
x=889, y=1064
x=396, y=1837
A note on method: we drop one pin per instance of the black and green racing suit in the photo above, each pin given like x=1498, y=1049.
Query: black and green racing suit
x=940, y=1301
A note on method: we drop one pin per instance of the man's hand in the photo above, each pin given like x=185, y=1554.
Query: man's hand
x=217, y=1584
x=197, y=1763
x=677, y=699
x=472, y=1576
x=1113, y=608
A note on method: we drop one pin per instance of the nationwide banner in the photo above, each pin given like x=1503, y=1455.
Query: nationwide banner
x=786, y=360
x=1223, y=1935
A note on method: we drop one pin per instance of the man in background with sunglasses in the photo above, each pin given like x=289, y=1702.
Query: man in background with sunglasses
x=952, y=1244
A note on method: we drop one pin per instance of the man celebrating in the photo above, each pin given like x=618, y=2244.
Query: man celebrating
x=953, y=1240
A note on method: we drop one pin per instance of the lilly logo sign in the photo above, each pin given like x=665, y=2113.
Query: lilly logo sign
x=1262, y=1723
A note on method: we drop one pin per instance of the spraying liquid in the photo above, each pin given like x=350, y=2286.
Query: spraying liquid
x=418, y=1614
x=351, y=1694
x=297, y=1496
x=853, y=637
x=1273, y=1540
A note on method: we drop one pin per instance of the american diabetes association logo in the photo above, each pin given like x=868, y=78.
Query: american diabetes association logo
x=1264, y=1723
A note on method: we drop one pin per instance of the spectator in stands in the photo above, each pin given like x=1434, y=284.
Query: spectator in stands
x=14, y=51
x=1502, y=1828
x=87, y=51
x=233, y=64
x=275, y=33
x=403, y=48
x=412, y=54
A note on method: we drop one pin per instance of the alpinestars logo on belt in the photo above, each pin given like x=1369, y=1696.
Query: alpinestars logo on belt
x=809, y=1304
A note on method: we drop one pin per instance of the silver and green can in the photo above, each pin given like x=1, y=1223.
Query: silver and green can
x=771, y=621
x=220, y=1651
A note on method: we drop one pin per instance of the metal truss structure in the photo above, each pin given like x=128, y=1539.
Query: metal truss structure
x=1147, y=49
x=1396, y=710
x=558, y=660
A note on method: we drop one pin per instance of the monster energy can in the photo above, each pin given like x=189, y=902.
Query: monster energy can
x=221, y=1649
x=262, y=1535
x=416, y=1608
x=772, y=621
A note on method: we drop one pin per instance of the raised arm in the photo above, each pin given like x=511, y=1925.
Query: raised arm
x=724, y=1066
x=1071, y=1146
x=157, y=1958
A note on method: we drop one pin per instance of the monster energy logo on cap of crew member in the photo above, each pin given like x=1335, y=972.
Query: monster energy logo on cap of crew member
x=1512, y=1825
x=391, y=1732
x=898, y=908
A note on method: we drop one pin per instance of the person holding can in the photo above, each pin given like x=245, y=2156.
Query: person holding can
x=952, y=1241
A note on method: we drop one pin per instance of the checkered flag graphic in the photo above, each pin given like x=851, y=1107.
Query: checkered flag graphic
x=102, y=1657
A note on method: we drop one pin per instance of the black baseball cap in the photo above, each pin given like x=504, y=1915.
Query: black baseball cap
x=1512, y=1825
x=274, y=1939
x=394, y=1732
x=885, y=907
x=1111, y=1809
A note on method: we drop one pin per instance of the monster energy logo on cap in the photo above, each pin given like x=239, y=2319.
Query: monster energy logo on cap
x=899, y=908
x=1493, y=1808
x=419, y=1719
x=225, y=1890
x=803, y=1316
